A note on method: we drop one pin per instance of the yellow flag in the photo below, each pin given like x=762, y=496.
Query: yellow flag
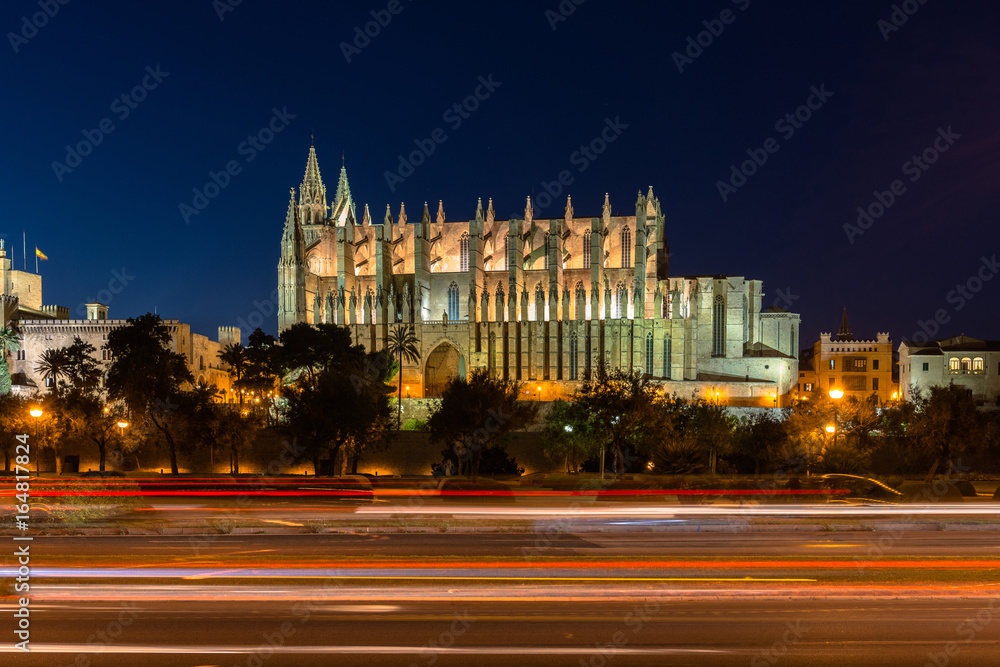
x=40, y=255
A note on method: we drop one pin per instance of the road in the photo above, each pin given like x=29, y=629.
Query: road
x=628, y=598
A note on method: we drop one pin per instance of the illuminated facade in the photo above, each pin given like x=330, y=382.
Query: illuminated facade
x=860, y=367
x=537, y=300
x=961, y=360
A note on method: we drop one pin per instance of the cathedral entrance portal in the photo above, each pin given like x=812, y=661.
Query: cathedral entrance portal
x=443, y=364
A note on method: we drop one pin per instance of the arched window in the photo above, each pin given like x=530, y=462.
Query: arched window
x=574, y=347
x=464, y=252
x=453, y=301
x=546, y=250
x=978, y=366
x=954, y=365
x=667, y=350
x=621, y=301
x=719, y=327
x=586, y=249
x=649, y=353
x=966, y=364
x=626, y=248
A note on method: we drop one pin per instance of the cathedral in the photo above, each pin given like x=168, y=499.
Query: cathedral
x=542, y=301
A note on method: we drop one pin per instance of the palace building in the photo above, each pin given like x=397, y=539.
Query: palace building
x=540, y=300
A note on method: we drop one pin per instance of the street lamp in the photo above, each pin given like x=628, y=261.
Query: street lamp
x=407, y=391
x=539, y=393
x=774, y=397
x=36, y=412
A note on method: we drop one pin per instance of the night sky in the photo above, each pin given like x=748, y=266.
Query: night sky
x=557, y=81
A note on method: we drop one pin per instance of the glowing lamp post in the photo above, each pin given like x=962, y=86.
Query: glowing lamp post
x=36, y=413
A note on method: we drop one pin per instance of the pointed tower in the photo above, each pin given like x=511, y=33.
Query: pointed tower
x=312, y=193
x=291, y=270
x=845, y=328
x=343, y=202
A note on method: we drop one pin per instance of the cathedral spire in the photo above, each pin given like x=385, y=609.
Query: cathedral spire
x=290, y=215
x=426, y=216
x=402, y=214
x=569, y=208
x=490, y=213
x=529, y=213
x=440, y=214
x=387, y=220
x=606, y=212
x=343, y=201
x=366, y=217
x=312, y=183
x=845, y=328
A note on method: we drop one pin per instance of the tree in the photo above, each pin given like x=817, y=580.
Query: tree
x=949, y=424
x=13, y=422
x=344, y=409
x=757, y=438
x=567, y=433
x=234, y=355
x=53, y=365
x=807, y=435
x=711, y=429
x=10, y=341
x=477, y=411
x=306, y=350
x=147, y=376
x=402, y=344
x=624, y=409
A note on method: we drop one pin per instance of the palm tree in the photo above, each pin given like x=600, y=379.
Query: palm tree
x=9, y=342
x=54, y=364
x=234, y=355
x=402, y=343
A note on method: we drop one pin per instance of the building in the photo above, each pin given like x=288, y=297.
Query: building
x=50, y=327
x=860, y=367
x=540, y=300
x=962, y=360
x=23, y=292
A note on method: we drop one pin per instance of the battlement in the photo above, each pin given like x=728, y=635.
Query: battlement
x=230, y=335
x=56, y=312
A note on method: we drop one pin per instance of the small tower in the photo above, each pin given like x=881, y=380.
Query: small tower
x=312, y=193
x=291, y=270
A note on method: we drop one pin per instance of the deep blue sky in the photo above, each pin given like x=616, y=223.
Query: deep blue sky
x=119, y=207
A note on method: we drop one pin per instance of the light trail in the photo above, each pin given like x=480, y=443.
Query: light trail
x=361, y=650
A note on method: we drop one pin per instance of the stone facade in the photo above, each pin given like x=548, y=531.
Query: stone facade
x=860, y=367
x=961, y=360
x=537, y=300
x=37, y=336
x=27, y=287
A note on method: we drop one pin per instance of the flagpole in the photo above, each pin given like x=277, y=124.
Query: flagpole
x=24, y=249
x=36, y=260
